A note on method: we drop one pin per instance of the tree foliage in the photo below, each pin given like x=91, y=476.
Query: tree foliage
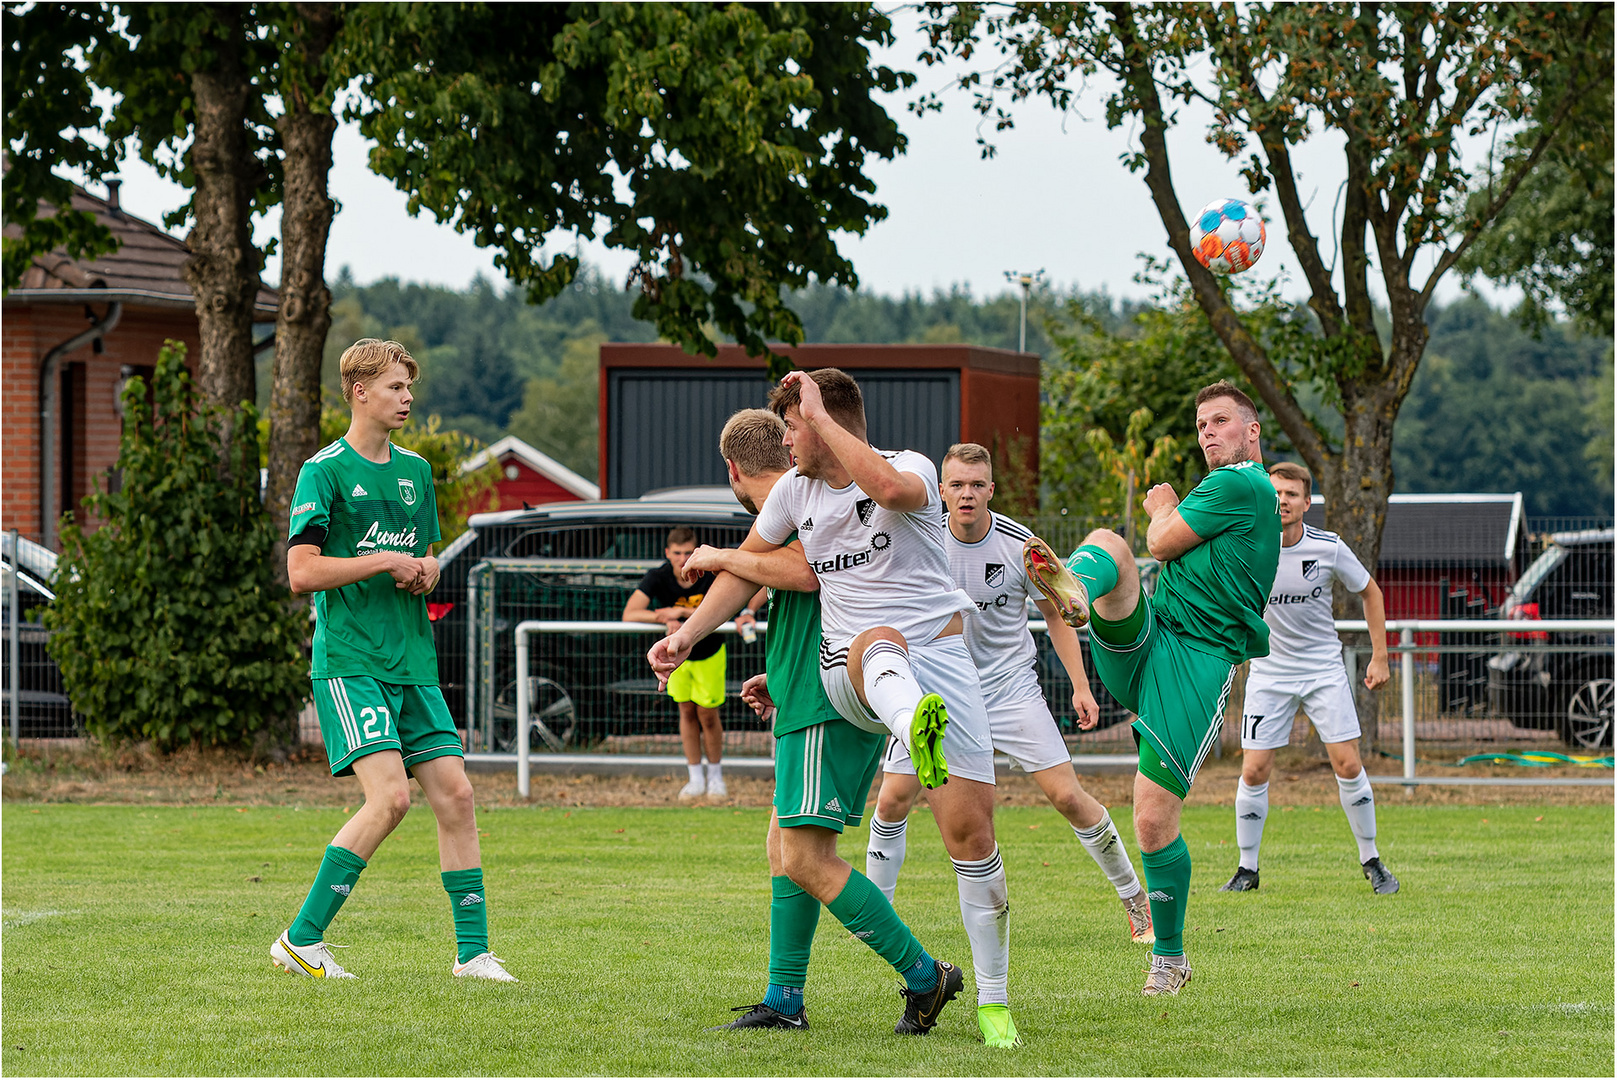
x=1399, y=84
x=723, y=144
x=169, y=624
x=560, y=413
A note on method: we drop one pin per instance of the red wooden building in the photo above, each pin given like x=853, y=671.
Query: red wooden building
x=529, y=477
x=72, y=334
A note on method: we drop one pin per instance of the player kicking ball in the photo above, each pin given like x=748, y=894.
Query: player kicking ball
x=1170, y=660
x=364, y=519
x=985, y=559
x=1304, y=669
x=824, y=765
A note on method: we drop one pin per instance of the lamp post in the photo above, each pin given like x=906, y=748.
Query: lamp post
x=1026, y=281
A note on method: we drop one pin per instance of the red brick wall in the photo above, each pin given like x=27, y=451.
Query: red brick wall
x=27, y=332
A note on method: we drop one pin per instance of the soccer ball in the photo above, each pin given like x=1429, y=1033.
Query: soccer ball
x=1227, y=236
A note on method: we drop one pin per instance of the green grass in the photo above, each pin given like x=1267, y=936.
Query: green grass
x=136, y=943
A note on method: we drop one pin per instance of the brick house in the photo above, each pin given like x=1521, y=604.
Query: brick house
x=71, y=334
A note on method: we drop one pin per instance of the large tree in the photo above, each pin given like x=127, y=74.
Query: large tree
x=723, y=144
x=1400, y=84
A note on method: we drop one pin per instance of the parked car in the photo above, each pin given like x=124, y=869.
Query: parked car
x=44, y=710
x=1569, y=686
x=583, y=686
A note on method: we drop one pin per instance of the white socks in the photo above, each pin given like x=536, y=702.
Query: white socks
x=1251, y=810
x=1359, y=804
x=884, y=857
x=696, y=773
x=890, y=688
x=986, y=911
x=714, y=776
x=1106, y=848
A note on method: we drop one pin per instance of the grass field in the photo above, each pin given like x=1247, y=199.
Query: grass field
x=136, y=943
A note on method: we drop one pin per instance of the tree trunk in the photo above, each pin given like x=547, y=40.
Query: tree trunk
x=306, y=130
x=305, y=315
x=223, y=268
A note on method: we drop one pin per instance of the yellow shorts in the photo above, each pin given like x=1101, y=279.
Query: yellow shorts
x=701, y=681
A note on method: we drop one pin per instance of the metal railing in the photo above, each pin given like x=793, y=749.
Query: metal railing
x=1413, y=661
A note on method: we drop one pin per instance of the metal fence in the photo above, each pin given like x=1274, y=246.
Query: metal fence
x=1407, y=720
x=35, y=702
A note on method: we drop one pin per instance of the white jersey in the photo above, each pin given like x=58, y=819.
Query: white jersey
x=1302, y=630
x=993, y=575
x=876, y=567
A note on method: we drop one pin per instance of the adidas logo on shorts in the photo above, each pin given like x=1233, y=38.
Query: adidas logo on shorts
x=471, y=899
x=1159, y=896
x=834, y=806
x=342, y=890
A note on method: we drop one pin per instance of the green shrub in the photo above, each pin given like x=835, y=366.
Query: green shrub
x=169, y=624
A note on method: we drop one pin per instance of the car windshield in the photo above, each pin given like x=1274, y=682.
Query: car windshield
x=1534, y=574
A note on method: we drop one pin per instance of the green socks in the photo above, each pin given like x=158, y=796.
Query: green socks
x=793, y=917
x=1094, y=567
x=339, y=870
x=465, y=889
x=1167, y=881
x=862, y=908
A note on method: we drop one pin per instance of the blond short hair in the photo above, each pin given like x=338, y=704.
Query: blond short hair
x=970, y=453
x=368, y=358
x=752, y=439
x=1290, y=470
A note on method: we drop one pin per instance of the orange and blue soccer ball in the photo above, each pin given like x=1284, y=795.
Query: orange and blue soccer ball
x=1227, y=236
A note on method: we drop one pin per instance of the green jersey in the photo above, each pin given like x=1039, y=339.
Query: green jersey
x=347, y=505
x=792, y=660
x=1215, y=595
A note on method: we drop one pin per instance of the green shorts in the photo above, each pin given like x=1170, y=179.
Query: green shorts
x=1177, y=692
x=361, y=715
x=823, y=774
x=701, y=681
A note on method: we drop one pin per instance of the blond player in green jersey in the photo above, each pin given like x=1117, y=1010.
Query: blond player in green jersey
x=363, y=523
x=1171, y=659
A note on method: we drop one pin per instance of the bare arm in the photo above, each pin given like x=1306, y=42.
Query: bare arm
x=1168, y=537
x=639, y=609
x=1375, y=614
x=873, y=474
x=308, y=571
x=728, y=595
x=1065, y=640
x=783, y=568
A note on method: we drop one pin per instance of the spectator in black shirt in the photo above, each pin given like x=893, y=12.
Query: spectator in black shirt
x=665, y=595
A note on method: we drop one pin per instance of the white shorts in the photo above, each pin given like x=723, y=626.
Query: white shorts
x=1271, y=706
x=942, y=666
x=1020, y=725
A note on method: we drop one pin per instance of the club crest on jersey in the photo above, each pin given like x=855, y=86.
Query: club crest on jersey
x=1310, y=569
x=994, y=575
x=407, y=492
x=867, y=509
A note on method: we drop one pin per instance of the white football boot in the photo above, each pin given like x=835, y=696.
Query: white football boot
x=483, y=966
x=315, y=960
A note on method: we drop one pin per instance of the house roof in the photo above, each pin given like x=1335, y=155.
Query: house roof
x=539, y=462
x=1427, y=530
x=147, y=269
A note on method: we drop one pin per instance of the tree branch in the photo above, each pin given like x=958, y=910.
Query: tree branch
x=1249, y=356
x=1272, y=137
